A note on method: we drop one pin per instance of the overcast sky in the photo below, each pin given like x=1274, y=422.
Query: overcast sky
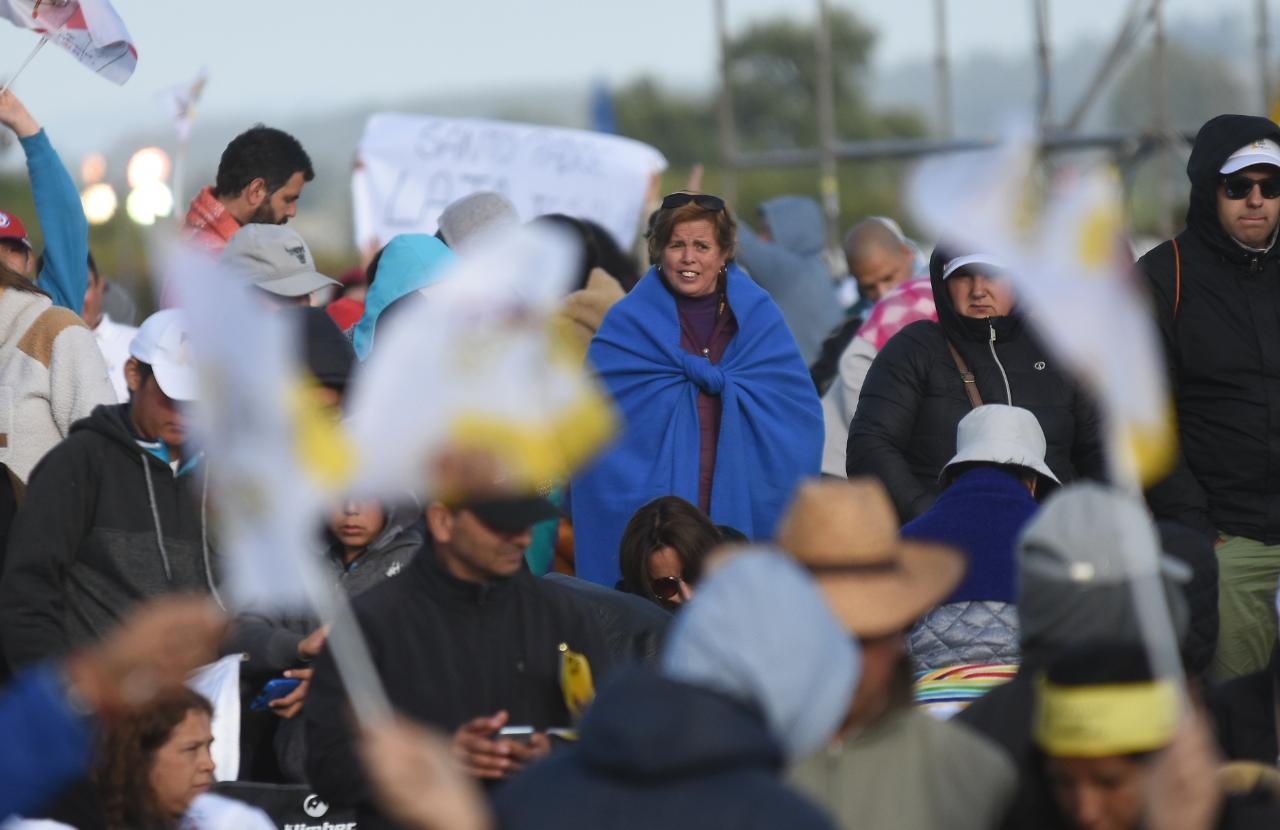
x=269, y=58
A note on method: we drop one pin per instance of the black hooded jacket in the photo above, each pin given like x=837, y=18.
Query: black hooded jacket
x=904, y=430
x=1220, y=323
x=105, y=526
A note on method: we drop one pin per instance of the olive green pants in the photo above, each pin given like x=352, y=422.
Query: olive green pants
x=1247, y=575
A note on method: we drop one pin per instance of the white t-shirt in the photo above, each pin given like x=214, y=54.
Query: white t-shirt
x=113, y=341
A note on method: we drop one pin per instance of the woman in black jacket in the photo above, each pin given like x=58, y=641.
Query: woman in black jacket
x=904, y=429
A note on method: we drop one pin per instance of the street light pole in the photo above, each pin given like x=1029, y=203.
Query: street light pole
x=727, y=137
x=942, y=71
x=829, y=180
x=1264, y=57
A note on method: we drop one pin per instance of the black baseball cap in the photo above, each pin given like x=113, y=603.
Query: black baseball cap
x=511, y=514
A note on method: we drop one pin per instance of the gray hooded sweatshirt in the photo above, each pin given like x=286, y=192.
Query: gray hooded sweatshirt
x=792, y=270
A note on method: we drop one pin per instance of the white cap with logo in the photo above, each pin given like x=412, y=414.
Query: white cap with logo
x=161, y=343
x=1262, y=151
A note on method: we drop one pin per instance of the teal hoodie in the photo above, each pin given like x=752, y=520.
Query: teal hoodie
x=409, y=262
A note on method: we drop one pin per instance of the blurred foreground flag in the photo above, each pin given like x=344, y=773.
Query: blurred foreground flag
x=90, y=30
x=1070, y=264
x=276, y=456
x=477, y=363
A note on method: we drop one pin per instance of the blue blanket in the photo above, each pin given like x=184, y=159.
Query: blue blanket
x=770, y=429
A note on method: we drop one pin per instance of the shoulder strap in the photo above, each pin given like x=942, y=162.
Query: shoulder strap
x=1177, y=279
x=970, y=382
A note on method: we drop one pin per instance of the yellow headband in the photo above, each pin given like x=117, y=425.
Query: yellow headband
x=1112, y=719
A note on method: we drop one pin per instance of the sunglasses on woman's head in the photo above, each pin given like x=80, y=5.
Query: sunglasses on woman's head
x=666, y=587
x=1239, y=187
x=702, y=200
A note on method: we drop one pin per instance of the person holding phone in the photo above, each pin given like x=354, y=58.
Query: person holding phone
x=465, y=640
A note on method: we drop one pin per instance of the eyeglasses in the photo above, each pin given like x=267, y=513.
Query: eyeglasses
x=667, y=587
x=702, y=200
x=1239, y=187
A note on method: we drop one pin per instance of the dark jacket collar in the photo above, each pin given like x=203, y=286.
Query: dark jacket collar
x=432, y=576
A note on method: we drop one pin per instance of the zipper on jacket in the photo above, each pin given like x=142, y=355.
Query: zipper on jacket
x=991, y=344
x=155, y=517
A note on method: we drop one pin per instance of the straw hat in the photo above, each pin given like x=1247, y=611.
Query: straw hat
x=846, y=534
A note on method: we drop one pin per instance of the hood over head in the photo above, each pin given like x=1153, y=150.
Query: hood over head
x=760, y=632
x=409, y=261
x=645, y=727
x=796, y=223
x=1219, y=138
x=958, y=327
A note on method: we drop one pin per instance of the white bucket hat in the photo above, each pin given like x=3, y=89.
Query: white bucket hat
x=1000, y=434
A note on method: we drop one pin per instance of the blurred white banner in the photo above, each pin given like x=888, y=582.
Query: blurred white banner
x=410, y=167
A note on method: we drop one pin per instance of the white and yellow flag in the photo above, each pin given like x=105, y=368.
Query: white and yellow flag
x=479, y=363
x=1064, y=245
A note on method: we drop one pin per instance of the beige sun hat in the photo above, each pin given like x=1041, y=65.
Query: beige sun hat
x=846, y=534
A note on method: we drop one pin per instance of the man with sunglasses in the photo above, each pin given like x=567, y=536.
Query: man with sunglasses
x=1216, y=287
x=466, y=640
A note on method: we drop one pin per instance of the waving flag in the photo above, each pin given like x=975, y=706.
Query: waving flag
x=479, y=365
x=275, y=459
x=1067, y=258
x=90, y=30
x=180, y=103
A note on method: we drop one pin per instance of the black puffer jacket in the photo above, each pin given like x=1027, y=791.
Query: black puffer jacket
x=1221, y=333
x=904, y=429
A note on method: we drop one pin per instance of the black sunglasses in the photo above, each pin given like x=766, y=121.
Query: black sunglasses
x=666, y=587
x=702, y=200
x=1239, y=187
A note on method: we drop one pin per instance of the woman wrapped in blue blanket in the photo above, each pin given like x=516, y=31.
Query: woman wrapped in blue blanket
x=718, y=405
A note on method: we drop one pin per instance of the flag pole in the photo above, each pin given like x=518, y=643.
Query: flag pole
x=179, y=174
x=14, y=77
x=1142, y=561
x=350, y=652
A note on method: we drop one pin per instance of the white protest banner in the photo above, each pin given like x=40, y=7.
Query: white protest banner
x=413, y=166
x=90, y=30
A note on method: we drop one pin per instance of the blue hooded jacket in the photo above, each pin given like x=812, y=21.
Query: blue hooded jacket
x=655, y=752
x=792, y=270
x=409, y=262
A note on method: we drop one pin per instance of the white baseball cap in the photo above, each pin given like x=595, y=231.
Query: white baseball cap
x=161, y=342
x=1000, y=434
x=1262, y=151
x=959, y=262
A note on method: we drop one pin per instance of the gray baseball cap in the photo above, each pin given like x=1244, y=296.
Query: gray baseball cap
x=275, y=259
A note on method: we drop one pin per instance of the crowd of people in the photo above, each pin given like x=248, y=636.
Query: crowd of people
x=844, y=565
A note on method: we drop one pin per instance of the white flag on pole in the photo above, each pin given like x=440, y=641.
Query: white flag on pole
x=254, y=425
x=180, y=103
x=1065, y=253
x=90, y=30
x=480, y=364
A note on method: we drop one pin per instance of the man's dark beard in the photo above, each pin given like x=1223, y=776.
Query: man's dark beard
x=264, y=216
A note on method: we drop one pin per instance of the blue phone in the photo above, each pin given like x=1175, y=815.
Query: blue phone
x=274, y=690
